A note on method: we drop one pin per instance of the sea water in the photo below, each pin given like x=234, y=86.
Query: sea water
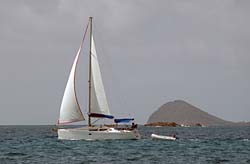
x=39, y=144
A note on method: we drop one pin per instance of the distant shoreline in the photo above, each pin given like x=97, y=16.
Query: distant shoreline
x=173, y=124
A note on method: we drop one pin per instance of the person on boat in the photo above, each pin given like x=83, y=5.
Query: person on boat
x=134, y=126
x=175, y=136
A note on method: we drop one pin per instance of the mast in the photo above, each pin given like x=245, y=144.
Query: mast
x=89, y=120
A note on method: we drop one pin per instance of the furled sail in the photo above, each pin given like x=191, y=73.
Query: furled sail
x=99, y=104
x=70, y=110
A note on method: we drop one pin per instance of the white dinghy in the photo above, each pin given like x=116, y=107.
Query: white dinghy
x=161, y=137
x=97, y=104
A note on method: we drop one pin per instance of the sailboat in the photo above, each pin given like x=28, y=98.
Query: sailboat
x=97, y=104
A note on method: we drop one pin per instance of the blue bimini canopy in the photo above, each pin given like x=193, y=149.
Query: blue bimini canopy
x=123, y=120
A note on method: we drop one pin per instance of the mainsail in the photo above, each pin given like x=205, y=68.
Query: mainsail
x=70, y=110
x=99, y=104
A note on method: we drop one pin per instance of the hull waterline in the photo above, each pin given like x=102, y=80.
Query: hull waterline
x=107, y=134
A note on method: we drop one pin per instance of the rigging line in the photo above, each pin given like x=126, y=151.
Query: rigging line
x=84, y=35
x=95, y=121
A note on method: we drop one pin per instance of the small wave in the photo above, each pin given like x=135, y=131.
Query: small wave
x=50, y=136
x=246, y=139
x=218, y=160
x=194, y=139
x=15, y=154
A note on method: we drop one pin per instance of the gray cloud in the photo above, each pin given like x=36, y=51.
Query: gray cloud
x=151, y=52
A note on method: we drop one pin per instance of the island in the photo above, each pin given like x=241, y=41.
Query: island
x=181, y=113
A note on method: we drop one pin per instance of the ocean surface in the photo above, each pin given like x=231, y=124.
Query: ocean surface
x=39, y=144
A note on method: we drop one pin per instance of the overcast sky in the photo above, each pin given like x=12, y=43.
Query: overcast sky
x=150, y=52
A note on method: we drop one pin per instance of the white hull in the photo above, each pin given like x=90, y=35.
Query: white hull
x=86, y=134
x=155, y=136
